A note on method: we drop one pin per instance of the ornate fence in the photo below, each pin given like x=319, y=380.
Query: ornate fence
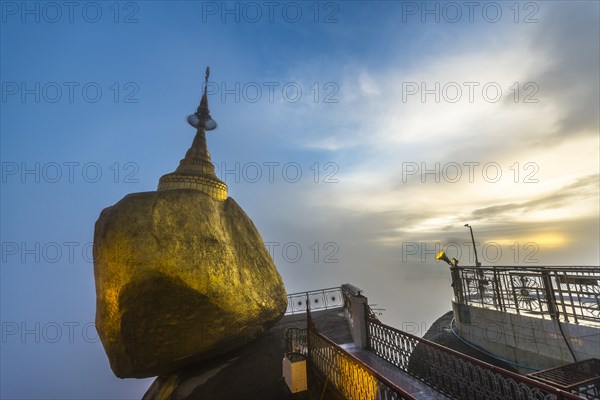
x=322, y=299
x=564, y=293
x=295, y=341
x=455, y=374
x=334, y=369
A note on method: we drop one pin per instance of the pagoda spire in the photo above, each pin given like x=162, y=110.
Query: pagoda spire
x=196, y=171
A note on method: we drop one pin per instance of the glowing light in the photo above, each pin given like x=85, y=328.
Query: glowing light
x=546, y=240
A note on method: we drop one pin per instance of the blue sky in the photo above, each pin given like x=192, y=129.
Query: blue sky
x=371, y=100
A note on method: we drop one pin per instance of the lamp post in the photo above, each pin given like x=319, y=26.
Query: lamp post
x=477, y=263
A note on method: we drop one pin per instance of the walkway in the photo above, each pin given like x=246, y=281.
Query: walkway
x=417, y=388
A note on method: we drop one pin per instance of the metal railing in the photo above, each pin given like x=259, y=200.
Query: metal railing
x=322, y=299
x=333, y=368
x=581, y=378
x=455, y=374
x=570, y=294
x=295, y=341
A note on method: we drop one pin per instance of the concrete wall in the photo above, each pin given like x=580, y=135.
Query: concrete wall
x=526, y=340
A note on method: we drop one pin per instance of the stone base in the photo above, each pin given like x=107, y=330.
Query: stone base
x=294, y=372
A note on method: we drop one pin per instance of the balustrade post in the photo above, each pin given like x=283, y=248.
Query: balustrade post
x=359, y=321
x=497, y=283
x=457, y=284
x=550, y=296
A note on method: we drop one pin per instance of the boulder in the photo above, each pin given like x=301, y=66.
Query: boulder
x=180, y=277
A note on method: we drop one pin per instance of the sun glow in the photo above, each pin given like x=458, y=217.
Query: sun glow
x=545, y=240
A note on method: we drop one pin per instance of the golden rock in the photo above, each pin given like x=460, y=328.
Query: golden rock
x=182, y=274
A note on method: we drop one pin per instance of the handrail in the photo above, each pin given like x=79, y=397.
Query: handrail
x=384, y=386
x=322, y=299
x=574, y=268
x=295, y=341
x=560, y=394
x=562, y=293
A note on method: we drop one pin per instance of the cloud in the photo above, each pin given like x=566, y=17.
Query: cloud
x=569, y=36
x=586, y=187
x=374, y=128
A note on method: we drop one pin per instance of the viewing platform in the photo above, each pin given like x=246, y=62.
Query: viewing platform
x=536, y=317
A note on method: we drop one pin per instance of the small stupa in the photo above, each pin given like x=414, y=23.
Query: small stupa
x=181, y=273
x=196, y=171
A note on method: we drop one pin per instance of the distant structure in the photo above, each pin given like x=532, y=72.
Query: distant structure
x=182, y=274
x=532, y=317
x=535, y=317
